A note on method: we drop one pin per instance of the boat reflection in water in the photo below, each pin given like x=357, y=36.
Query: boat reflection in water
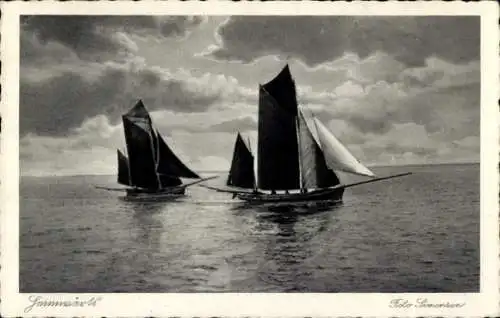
x=292, y=236
x=290, y=208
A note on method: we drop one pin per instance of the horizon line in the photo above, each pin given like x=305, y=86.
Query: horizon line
x=226, y=170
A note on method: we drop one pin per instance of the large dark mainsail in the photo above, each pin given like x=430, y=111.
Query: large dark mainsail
x=241, y=173
x=278, y=163
x=282, y=89
x=140, y=147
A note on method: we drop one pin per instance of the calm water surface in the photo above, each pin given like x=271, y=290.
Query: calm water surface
x=414, y=234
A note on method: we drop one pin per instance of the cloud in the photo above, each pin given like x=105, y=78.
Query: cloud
x=226, y=119
x=101, y=37
x=405, y=143
x=179, y=25
x=389, y=98
x=314, y=40
x=34, y=51
x=236, y=125
x=441, y=96
x=55, y=104
x=91, y=148
x=378, y=66
x=439, y=73
x=88, y=149
x=452, y=111
x=411, y=143
x=47, y=156
x=392, y=123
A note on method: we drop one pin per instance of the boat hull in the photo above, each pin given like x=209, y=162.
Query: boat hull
x=334, y=195
x=166, y=194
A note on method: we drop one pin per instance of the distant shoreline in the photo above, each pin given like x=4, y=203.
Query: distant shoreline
x=225, y=171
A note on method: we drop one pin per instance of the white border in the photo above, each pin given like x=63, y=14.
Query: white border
x=484, y=303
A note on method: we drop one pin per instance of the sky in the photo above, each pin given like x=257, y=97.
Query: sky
x=394, y=90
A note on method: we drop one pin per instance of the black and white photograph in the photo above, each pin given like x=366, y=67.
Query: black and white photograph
x=261, y=154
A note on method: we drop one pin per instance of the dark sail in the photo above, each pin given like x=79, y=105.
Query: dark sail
x=140, y=147
x=314, y=171
x=123, y=170
x=325, y=177
x=282, y=89
x=151, y=163
x=169, y=164
x=168, y=181
x=241, y=173
x=278, y=162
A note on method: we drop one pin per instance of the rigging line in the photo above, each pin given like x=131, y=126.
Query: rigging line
x=185, y=185
x=349, y=185
x=152, y=151
x=157, y=164
x=129, y=171
x=110, y=189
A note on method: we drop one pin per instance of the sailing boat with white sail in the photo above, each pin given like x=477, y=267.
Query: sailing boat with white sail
x=297, y=158
x=151, y=170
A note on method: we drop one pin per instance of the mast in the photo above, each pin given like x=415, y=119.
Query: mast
x=299, y=154
x=156, y=154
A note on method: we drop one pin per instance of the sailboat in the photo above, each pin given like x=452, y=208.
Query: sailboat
x=297, y=154
x=151, y=170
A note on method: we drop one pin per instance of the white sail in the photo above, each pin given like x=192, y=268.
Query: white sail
x=337, y=156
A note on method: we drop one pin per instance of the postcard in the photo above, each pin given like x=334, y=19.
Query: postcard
x=241, y=159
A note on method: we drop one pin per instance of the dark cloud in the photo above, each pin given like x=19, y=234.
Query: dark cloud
x=56, y=105
x=95, y=37
x=31, y=50
x=178, y=26
x=318, y=39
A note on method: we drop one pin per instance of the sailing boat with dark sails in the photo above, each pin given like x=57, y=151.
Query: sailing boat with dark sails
x=297, y=154
x=151, y=170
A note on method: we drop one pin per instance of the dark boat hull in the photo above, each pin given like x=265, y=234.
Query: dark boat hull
x=334, y=195
x=165, y=194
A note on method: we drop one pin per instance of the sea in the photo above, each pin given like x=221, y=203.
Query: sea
x=418, y=233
